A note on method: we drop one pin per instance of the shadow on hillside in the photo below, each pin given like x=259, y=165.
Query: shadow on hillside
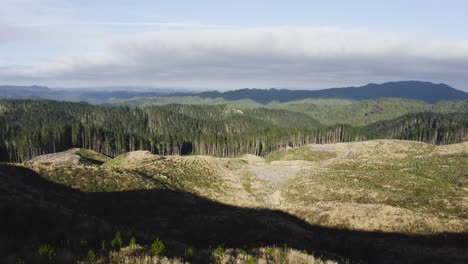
x=36, y=211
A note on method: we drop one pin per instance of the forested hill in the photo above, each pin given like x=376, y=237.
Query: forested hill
x=425, y=91
x=432, y=128
x=34, y=127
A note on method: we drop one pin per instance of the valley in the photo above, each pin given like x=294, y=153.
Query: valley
x=246, y=176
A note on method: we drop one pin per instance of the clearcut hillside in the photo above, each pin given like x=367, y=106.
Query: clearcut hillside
x=322, y=203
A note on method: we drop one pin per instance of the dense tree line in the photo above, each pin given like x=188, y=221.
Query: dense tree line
x=427, y=127
x=34, y=127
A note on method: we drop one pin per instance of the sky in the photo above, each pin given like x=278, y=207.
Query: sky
x=223, y=45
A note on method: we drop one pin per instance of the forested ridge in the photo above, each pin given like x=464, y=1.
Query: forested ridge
x=425, y=91
x=417, y=90
x=429, y=127
x=35, y=127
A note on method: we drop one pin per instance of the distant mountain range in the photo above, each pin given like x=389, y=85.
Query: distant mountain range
x=86, y=95
x=425, y=91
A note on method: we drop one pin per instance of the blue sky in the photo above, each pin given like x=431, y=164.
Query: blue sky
x=232, y=44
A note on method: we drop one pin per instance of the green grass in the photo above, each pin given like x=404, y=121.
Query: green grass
x=91, y=157
x=175, y=173
x=302, y=153
x=117, y=161
x=430, y=184
x=99, y=179
x=189, y=174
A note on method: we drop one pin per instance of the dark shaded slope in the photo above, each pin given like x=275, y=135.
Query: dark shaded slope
x=36, y=211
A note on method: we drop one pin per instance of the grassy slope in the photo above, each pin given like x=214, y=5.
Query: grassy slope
x=421, y=188
x=117, y=161
x=416, y=189
x=413, y=182
x=91, y=156
x=302, y=153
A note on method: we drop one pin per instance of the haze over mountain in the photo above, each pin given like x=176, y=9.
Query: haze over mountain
x=425, y=91
x=95, y=95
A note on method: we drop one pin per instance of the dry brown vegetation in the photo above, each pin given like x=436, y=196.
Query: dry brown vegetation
x=264, y=255
x=380, y=186
x=385, y=185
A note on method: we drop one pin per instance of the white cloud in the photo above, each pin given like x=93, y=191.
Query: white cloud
x=257, y=57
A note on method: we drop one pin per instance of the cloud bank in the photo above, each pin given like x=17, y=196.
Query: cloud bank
x=223, y=59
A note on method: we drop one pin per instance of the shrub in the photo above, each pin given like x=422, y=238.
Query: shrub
x=252, y=260
x=157, y=247
x=91, y=255
x=132, y=243
x=47, y=250
x=270, y=251
x=284, y=257
x=117, y=241
x=220, y=249
x=189, y=253
x=83, y=242
x=243, y=251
